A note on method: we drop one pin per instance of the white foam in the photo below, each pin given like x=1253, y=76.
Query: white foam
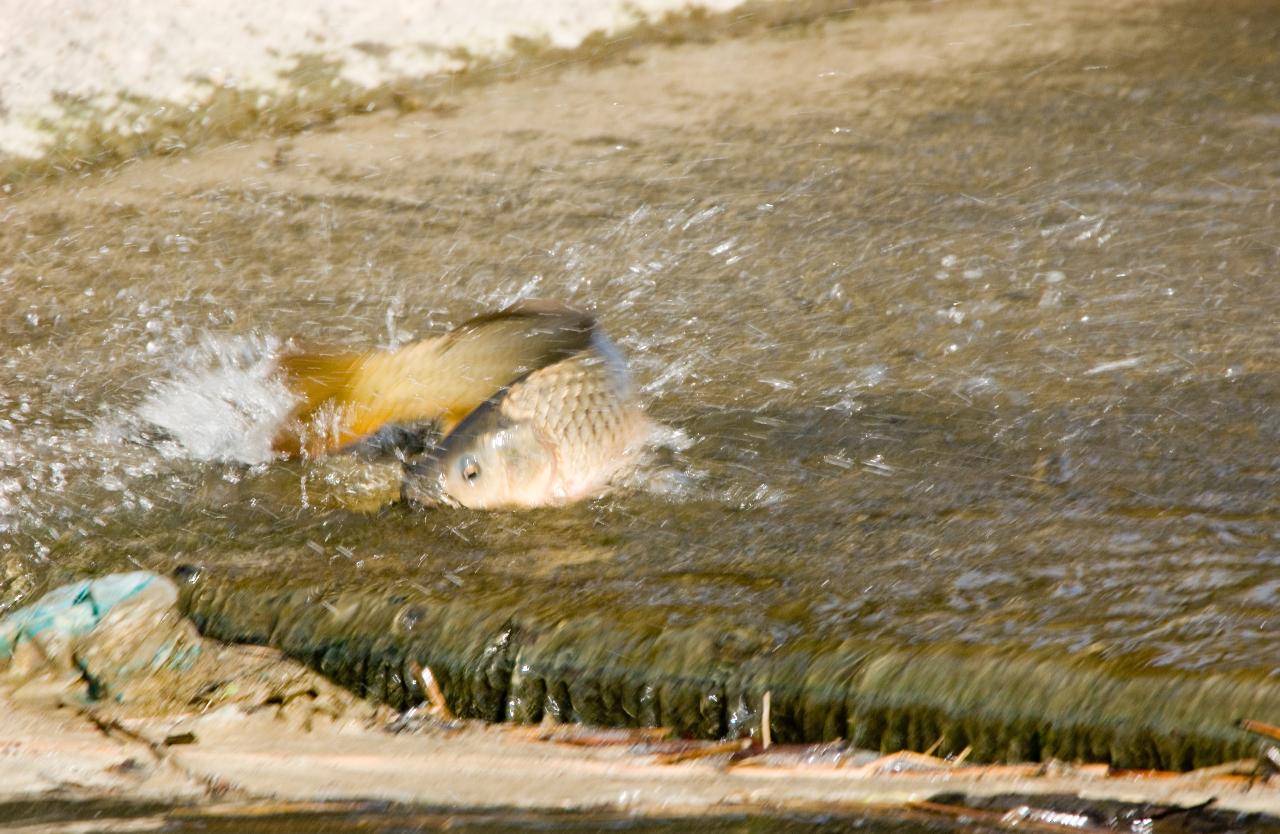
x=222, y=402
x=662, y=436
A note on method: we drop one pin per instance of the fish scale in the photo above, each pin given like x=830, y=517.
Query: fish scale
x=557, y=435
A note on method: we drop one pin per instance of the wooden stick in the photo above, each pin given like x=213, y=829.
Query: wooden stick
x=1271, y=731
x=427, y=681
x=1025, y=770
x=1241, y=767
x=905, y=761
x=766, y=736
x=704, y=751
x=578, y=735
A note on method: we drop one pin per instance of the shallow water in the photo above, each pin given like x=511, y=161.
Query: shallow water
x=392, y=819
x=966, y=316
x=385, y=818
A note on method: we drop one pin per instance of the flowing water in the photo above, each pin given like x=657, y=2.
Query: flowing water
x=385, y=818
x=963, y=318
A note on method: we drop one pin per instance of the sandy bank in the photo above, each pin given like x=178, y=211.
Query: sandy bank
x=62, y=59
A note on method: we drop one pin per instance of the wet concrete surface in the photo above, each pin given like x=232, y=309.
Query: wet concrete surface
x=966, y=312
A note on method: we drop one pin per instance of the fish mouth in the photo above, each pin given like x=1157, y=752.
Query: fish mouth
x=422, y=486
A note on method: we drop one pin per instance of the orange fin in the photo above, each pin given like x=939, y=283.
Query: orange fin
x=344, y=395
x=324, y=419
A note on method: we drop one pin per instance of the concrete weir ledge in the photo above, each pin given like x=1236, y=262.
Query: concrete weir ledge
x=531, y=665
x=115, y=708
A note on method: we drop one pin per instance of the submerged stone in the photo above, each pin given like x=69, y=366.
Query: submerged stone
x=118, y=644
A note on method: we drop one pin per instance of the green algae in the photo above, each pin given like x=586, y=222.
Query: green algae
x=704, y=682
x=1014, y=706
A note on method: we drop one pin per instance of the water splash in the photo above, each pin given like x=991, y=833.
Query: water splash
x=222, y=402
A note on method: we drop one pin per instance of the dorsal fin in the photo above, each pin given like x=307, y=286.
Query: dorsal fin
x=345, y=395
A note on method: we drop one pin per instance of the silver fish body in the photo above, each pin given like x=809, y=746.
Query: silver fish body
x=557, y=435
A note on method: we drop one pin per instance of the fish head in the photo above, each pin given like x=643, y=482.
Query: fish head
x=489, y=461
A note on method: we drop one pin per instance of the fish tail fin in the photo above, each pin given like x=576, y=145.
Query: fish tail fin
x=413, y=384
x=333, y=408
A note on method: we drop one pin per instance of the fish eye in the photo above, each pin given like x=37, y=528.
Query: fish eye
x=469, y=468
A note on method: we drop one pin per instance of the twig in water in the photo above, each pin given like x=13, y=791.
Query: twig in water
x=577, y=735
x=427, y=682
x=902, y=761
x=1271, y=731
x=705, y=751
x=766, y=736
x=1240, y=767
x=113, y=729
x=1024, y=770
x=1269, y=757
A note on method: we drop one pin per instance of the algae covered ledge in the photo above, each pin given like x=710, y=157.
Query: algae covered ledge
x=994, y=705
